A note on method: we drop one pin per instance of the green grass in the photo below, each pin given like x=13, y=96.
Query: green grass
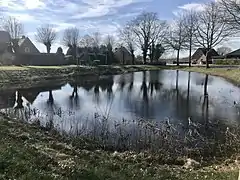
x=26, y=152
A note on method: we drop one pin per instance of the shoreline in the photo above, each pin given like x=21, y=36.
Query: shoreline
x=32, y=76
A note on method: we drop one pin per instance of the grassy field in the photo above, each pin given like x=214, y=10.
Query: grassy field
x=27, y=152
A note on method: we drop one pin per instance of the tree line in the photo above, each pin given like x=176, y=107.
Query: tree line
x=215, y=23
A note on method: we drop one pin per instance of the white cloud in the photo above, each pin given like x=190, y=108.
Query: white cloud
x=192, y=6
x=33, y=4
x=87, y=15
x=61, y=26
x=23, y=17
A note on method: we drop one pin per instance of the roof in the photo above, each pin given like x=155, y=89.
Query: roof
x=4, y=37
x=234, y=53
x=122, y=48
x=19, y=41
x=203, y=51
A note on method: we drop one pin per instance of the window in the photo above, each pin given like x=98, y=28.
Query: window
x=27, y=50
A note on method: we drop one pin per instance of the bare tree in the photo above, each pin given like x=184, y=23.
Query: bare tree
x=190, y=22
x=222, y=51
x=87, y=41
x=177, y=37
x=212, y=28
x=71, y=37
x=13, y=26
x=148, y=29
x=129, y=40
x=96, y=36
x=110, y=43
x=71, y=40
x=232, y=9
x=46, y=35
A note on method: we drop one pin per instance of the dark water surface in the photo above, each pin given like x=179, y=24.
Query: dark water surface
x=172, y=97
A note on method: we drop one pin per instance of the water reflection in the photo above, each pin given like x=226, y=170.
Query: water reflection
x=120, y=103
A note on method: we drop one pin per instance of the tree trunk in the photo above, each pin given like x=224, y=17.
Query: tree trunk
x=133, y=57
x=178, y=55
x=151, y=53
x=48, y=48
x=144, y=56
x=208, y=57
x=190, y=53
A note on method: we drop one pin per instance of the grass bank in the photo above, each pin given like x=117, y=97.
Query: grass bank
x=231, y=74
x=29, y=76
x=14, y=74
x=29, y=152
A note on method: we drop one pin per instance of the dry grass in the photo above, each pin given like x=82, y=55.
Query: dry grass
x=232, y=74
x=27, y=152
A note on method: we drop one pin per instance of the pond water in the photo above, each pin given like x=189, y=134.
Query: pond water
x=116, y=107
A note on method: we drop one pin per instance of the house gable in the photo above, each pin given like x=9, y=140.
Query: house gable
x=202, y=52
x=119, y=55
x=26, y=46
x=234, y=54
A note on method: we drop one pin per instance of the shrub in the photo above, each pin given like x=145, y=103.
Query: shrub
x=227, y=61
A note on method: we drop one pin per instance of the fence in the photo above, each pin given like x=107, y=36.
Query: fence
x=42, y=59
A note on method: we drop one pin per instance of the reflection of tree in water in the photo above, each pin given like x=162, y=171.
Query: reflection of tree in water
x=122, y=82
x=130, y=87
x=205, y=105
x=50, y=98
x=188, y=94
x=154, y=81
x=177, y=101
x=51, y=112
x=96, y=93
x=145, y=101
x=74, y=98
x=19, y=108
x=19, y=101
x=106, y=85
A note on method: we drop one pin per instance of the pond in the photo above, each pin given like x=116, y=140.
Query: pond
x=134, y=110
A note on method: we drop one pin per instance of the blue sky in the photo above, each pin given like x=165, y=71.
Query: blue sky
x=105, y=16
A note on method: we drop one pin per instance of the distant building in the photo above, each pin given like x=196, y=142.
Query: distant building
x=233, y=55
x=123, y=55
x=199, y=57
x=24, y=45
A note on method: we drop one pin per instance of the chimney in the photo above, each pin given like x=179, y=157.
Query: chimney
x=23, y=37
